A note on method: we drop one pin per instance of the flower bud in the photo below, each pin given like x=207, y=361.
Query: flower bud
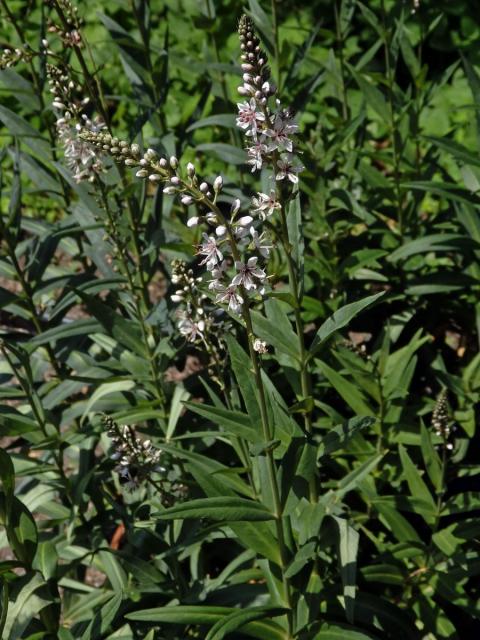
x=218, y=183
x=187, y=200
x=221, y=230
x=192, y=222
x=235, y=207
x=204, y=187
x=169, y=191
x=150, y=155
x=175, y=180
x=245, y=221
x=190, y=170
x=173, y=162
x=154, y=177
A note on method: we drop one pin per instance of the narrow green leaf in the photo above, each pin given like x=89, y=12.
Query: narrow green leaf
x=338, y=437
x=340, y=319
x=239, y=619
x=431, y=458
x=230, y=509
x=417, y=486
x=234, y=422
x=348, y=550
x=348, y=391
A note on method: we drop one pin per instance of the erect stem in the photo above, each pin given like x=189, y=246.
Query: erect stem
x=393, y=122
x=138, y=311
x=272, y=473
x=28, y=293
x=266, y=427
x=95, y=91
x=276, y=44
x=304, y=368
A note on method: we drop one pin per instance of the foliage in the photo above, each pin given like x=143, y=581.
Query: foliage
x=326, y=488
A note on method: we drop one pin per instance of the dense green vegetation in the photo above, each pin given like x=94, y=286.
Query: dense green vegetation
x=303, y=464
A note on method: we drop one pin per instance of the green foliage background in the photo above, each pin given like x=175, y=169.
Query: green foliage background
x=388, y=103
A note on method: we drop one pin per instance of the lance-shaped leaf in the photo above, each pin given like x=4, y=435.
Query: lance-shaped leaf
x=340, y=319
x=229, y=509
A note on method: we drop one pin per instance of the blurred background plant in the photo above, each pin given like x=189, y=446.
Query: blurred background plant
x=95, y=543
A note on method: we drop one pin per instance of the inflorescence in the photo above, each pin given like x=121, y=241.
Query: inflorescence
x=82, y=160
x=441, y=420
x=270, y=132
x=136, y=459
x=235, y=246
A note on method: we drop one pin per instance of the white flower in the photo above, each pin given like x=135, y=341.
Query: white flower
x=288, y=170
x=260, y=346
x=258, y=241
x=248, y=116
x=217, y=275
x=247, y=272
x=210, y=250
x=229, y=295
x=265, y=204
x=189, y=328
x=282, y=128
x=256, y=153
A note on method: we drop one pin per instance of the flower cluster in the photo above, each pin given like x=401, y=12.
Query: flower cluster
x=136, y=459
x=440, y=418
x=192, y=319
x=11, y=57
x=82, y=160
x=230, y=250
x=70, y=30
x=269, y=132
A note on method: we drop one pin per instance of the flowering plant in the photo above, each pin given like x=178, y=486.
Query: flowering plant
x=233, y=405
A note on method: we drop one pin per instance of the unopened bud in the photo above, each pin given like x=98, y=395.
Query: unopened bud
x=235, y=206
x=245, y=221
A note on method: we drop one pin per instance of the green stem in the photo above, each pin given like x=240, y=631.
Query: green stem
x=266, y=428
x=340, y=47
x=393, y=121
x=272, y=475
x=276, y=43
x=95, y=91
x=3, y=618
x=37, y=85
x=132, y=287
x=305, y=377
x=28, y=295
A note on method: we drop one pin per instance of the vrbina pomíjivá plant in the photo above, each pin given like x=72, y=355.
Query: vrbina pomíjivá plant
x=189, y=306
x=226, y=300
